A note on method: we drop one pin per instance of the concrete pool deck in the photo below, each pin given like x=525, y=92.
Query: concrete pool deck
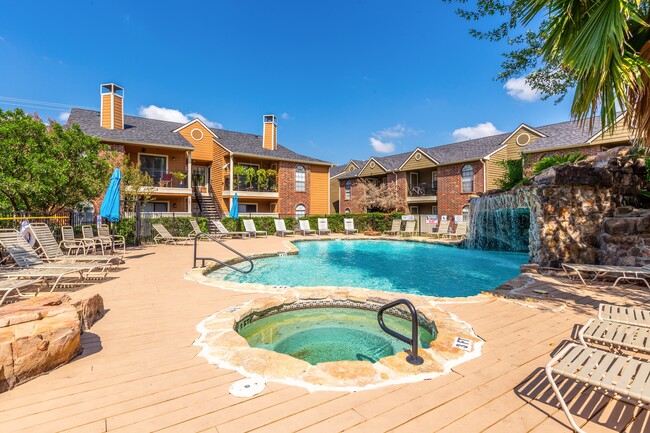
x=139, y=370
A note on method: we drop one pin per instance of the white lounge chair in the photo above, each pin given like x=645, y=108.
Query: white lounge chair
x=281, y=229
x=322, y=227
x=12, y=287
x=165, y=237
x=50, y=250
x=348, y=226
x=223, y=231
x=639, y=273
x=618, y=328
x=196, y=229
x=409, y=230
x=617, y=376
x=249, y=225
x=461, y=231
x=305, y=228
x=443, y=229
x=101, y=243
x=117, y=241
x=395, y=228
x=626, y=315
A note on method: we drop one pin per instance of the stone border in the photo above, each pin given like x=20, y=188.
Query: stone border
x=223, y=346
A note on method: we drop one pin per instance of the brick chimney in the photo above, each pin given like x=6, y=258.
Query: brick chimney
x=112, y=106
x=270, y=135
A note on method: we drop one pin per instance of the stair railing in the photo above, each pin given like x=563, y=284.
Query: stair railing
x=413, y=357
x=220, y=242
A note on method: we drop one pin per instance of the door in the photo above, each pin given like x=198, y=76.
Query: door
x=413, y=179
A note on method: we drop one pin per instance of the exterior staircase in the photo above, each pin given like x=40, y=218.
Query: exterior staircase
x=207, y=207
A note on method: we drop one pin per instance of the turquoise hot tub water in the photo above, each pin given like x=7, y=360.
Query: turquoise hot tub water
x=330, y=334
x=408, y=267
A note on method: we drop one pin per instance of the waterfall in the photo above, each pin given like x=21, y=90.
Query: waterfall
x=505, y=221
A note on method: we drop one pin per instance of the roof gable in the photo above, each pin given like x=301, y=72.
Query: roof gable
x=372, y=167
x=416, y=161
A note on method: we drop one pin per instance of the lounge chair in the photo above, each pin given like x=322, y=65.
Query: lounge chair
x=348, y=226
x=196, y=229
x=12, y=287
x=461, y=231
x=72, y=244
x=50, y=250
x=249, y=225
x=443, y=229
x=223, y=231
x=409, y=230
x=618, y=328
x=322, y=227
x=613, y=375
x=166, y=238
x=626, y=315
x=305, y=228
x=395, y=228
x=89, y=236
x=117, y=241
x=639, y=273
x=281, y=229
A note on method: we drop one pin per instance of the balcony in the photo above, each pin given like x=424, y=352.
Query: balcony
x=164, y=182
x=422, y=193
x=245, y=189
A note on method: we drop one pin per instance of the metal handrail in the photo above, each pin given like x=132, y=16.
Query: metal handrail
x=220, y=242
x=413, y=358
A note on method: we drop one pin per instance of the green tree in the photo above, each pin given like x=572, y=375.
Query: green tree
x=552, y=161
x=136, y=185
x=598, y=47
x=513, y=173
x=48, y=168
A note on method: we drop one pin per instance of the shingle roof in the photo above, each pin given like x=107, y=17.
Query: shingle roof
x=152, y=131
x=336, y=170
x=562, y=135
x=466, y=150
x=351, y=175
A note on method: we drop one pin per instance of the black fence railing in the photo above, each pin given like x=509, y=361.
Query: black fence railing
x=168, y=179
x=240, y=184
x=423, y=190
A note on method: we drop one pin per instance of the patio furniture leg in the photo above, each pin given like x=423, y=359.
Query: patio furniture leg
x=556, y=390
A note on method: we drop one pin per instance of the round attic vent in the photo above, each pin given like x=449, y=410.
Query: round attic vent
x=418, y=156
x=372, y=164
x=523, y=139
x=196, y=134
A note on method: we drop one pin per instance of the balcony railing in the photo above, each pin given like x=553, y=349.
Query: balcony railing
x=165, y=179
x=242, y=185
x=423, y=190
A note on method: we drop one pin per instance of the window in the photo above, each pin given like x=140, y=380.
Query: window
x=413, y=179
x=434, y=180
x=246, y=207
x=347, y=210
x=414, y=210
x=348, y=185
x=300, y=178
x=466, y=213
x=467, y=175
x=154, y=165
x=156, y=206
x=434, y=209
x=301, y=211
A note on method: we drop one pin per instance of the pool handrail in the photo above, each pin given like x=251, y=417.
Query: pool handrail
x=413, y=358
x=220, y=242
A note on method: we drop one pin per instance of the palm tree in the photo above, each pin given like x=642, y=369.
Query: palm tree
x=605, y=45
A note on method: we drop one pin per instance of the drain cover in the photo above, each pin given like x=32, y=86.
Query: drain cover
x=246, y=388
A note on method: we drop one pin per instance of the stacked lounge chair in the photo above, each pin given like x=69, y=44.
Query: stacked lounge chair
x=348, y=226
x=74, y=245
x=88, y=236
x=639, y=273
x=323, y=229
x=116, y=241
x=165, y=237
x=249, y=225
x=281, y=229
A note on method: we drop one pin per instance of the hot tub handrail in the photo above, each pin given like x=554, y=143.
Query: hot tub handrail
x=220, y=242
x=413, y=358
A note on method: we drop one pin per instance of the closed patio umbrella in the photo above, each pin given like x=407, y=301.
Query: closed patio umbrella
x=110, y=209
x=234, y=210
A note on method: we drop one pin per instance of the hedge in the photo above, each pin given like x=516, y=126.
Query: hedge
x=177, y=226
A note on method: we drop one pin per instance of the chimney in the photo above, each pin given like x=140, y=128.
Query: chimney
x=270, y=135
x=112, y=106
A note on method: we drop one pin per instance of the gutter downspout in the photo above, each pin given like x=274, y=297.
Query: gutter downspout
x=484, y=175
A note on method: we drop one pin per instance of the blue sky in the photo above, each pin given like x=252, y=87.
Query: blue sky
x=346, y=79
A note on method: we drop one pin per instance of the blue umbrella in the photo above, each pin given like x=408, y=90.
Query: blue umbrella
x=234, y=210
x=110, y=208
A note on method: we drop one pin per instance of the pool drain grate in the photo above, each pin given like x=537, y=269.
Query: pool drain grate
x=246, y=388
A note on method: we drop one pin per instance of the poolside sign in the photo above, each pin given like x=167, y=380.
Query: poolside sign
x=432, y=219
x=463, y=343
x=408, y=217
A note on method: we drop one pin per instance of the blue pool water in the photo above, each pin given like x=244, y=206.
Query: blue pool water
x=409, y=267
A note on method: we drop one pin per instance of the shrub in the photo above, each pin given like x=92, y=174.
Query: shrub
x=552, y=161
x=513, y=173
x=177, y=226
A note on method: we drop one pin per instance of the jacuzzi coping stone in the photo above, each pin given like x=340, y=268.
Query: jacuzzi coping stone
x=223, y=346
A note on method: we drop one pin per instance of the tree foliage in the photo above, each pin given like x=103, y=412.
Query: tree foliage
x=48, y=168
x=136, y=185
x=600, y=48
x=513, y=173
x=379, y=196
x=552, y=161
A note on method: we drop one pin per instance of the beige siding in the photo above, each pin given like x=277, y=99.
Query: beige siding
x=514, y=150
x=334, y=194
x=620, y=134
x=318, y=185
x=494, y=170
x=368, y=171
x=203, y=148
x=413, y=164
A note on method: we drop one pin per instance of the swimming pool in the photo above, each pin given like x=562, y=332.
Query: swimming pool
x=330, y=334
x=408, y=267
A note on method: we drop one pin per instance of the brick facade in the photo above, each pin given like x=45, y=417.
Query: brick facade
x=289, y=197
x=531, y=159
x=356, y=189
x=451, y=199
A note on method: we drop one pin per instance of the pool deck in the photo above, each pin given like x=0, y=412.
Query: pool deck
x=139, y=371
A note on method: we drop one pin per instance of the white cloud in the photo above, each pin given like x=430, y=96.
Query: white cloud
x=63, y=117
x=381, y=146
x=470, y=132
x=172, y=115
x=519, y=89
x=285, y=116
